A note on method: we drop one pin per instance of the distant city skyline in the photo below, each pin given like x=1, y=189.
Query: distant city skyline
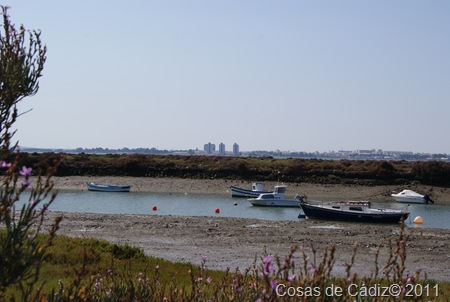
x=209, y=149
x=291, y=75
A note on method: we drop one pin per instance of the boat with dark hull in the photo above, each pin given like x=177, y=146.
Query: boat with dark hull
x=107, y=188
x=357, y=211
x=257, y=189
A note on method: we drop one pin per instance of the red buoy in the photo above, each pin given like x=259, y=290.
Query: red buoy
x=217, y=210
x=154, y=208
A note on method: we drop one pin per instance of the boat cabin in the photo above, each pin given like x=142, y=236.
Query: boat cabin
x=257, y=186
x=358, y=206
x=278, y=193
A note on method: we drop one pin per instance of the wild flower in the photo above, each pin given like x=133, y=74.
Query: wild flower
x=25, y=183
x=267, y=265
x=97, y=284
x=273, y=284
x=5, y=164
x=25, y=171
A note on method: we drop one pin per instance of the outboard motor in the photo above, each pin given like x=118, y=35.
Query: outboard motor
x=428, y=199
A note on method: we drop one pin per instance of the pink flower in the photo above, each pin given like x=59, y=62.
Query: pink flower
x=25, y=171
x=26, y=183
x=4, y=164
x=273, y=283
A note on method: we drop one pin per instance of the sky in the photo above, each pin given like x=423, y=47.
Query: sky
x=267, y=75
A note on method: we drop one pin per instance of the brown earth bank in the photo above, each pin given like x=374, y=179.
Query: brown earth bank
x=235, y=242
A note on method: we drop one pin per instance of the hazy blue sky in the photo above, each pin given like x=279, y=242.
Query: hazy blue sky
x=288, y=75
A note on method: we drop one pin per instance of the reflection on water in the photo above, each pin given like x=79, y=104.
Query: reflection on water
x=434, y=215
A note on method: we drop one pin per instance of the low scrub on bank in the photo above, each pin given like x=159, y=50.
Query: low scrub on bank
x=81, y=269
x=365, y=172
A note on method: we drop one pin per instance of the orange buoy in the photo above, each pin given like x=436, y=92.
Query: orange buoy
x=154, y=208
x=418, y=220
x=217, y=211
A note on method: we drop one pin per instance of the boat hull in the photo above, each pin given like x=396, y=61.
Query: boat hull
x=107, y=188
x=285, y=203
x=314, y=211
x=243, y=193
x=410, y=199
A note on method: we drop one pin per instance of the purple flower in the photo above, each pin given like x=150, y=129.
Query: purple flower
x=209, y=280
x=97, y=284
x=268, y=266
x=25, y=183
x=25, y=171
x=267, y=259
x=274, y=284
x=4, y=164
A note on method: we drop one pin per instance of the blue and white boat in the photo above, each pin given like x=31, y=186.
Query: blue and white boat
x=107, y=188
x=257, y=188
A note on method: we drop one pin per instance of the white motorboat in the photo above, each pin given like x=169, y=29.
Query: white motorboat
x=409, y=196
x=275, y=199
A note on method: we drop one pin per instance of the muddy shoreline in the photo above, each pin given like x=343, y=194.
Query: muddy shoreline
x=235, y=242
x=221, y=186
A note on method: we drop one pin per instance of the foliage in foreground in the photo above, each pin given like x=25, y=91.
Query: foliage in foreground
x=22, y=58
x=93, y=270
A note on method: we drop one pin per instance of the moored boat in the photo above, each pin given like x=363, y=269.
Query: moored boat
x=357, y=211
x=275, y=198
x=107, y=188
x=409, y=196
x=257, y=188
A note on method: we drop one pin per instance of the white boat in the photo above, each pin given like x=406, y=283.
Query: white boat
x=107, y=188
x=275, y=199
x=357, y=211
x=409, y=196
x=257, y=188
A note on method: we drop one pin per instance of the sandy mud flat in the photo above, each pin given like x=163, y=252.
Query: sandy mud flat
x=234, y=242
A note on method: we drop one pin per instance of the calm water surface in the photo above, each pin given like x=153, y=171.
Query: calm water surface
x=434, y=215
